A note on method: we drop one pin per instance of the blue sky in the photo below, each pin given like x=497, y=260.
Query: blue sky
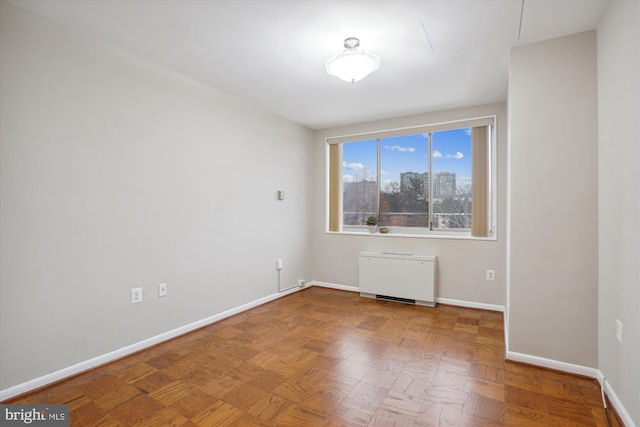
x=451, y=153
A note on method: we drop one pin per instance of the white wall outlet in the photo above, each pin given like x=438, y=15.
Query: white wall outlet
x=278, y=264
x=491, y=275
x=301, y=283
x=162, y=290
x=136, y=295
x=619, y=331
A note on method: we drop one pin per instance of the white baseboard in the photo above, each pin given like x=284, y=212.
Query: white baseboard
x=447, y=301
x=471, y=304
x=335, y=286
x=617, y=404
x=578, y=370
x=552, y=364
x=133, y=348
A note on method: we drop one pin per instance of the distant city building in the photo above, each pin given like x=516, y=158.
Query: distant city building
x=445, y=185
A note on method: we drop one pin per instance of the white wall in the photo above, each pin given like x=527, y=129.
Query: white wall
x=117, y=173
x=461, y=263
x=619, y=200
x=553, y=200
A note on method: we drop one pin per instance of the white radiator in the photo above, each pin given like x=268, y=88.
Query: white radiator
x=398, y=276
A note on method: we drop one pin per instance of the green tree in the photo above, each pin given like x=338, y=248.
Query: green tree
x=414, y=196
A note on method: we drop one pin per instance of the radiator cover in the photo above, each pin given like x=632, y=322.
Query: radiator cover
x=398, y=276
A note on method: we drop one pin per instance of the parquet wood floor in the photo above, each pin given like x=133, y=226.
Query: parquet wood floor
x=322, y=357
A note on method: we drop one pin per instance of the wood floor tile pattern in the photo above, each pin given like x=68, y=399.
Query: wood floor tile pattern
x=323, y=357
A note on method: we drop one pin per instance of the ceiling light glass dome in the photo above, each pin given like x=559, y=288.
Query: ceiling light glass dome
x=352, y=64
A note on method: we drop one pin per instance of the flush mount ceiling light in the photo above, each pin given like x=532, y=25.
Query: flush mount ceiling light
x=352, y=64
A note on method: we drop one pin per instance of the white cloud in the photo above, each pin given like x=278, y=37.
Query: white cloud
x=436, y=154
x=348, y=178
x=468, y=131
x=458, y=155
x=353, y=166
x=399, y=148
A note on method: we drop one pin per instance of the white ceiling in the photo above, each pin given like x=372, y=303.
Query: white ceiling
x=435, y=54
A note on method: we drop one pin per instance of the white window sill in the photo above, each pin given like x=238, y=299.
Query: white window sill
x=432, y=235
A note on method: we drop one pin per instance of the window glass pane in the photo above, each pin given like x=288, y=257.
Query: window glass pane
x=452, y=179
x=418, y=181
x=359, y=182
x=404, y=164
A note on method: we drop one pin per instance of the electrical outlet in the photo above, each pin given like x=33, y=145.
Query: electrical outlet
x=136, y=295
x=162, y=290
x=301, y=283
x=491, y=275
x=619, y=331
x=278, y=264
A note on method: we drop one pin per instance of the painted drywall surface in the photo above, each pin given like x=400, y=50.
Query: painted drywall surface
x=461, y=263
x=553, y=200
x=117, y=173
x=619, y=200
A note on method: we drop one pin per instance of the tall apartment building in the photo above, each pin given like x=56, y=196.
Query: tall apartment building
x=445, y=185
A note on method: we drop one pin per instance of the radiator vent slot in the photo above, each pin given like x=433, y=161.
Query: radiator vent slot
x=399, y=277
x=396, y=299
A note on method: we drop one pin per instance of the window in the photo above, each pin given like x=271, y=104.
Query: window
x=425, y=180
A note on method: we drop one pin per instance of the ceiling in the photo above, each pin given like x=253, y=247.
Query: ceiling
x=435, y=54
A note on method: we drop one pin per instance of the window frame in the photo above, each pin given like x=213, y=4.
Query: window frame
x=336, y=180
